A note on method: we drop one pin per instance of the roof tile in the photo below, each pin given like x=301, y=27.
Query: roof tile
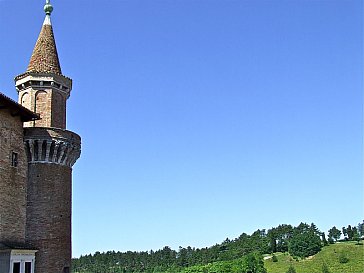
x=45, y=57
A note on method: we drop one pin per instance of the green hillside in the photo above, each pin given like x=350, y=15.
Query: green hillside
x=329, y=255
x=304, y=247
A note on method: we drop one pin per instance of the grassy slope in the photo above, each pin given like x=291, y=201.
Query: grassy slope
x=329, y=255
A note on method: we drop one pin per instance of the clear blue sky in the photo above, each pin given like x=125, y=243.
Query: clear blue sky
x=203, y=119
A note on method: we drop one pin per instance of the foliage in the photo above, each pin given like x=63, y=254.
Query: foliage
x=274, y=258
x=361, y=229
x=324, y=241
x=278, y=238
x=354, y=233
x=229, y=256
x=291, y=269
x=329, y=255
x=334, y=234
x=253, y=263
x=349, y=232
x=356, y=237
x=305, y=241
x=343, y=259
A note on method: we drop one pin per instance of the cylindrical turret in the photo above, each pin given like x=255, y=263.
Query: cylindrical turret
x=51, y=152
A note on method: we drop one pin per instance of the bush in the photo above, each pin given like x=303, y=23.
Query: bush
x=291, y=269
x=274, y=258
x=343, y=259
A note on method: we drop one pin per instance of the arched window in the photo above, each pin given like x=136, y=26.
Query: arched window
x=25, y=100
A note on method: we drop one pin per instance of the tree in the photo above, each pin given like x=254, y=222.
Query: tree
x=345, y=232
x=277, y=238
x=304, y=243
x=315, y=229
x=182, y=257
x=324, y=241
x=361, y=229
x=356, y=236
x=272, y=237
x=334, y=233
x=353, y=233
x=253, y=263
x=350, y=232
x=331, y=241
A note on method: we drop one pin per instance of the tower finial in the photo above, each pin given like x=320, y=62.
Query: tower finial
x=48, y=8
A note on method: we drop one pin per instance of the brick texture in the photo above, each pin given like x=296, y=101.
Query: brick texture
x=12, y=179
x=49, y=215
x=49, y=103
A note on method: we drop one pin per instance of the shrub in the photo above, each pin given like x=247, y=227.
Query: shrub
x=291, y=269
x=343, y=259
x=274, y=258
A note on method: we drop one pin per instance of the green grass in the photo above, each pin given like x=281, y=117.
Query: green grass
x=329, y=255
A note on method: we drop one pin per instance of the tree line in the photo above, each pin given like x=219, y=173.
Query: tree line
x=301, y=241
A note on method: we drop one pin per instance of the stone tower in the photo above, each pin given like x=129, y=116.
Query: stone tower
x=51, y=152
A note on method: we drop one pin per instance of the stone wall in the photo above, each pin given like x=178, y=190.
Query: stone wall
x=12, y=179
x=5, y=261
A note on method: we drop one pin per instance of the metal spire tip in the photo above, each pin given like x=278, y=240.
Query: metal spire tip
x=48, y=8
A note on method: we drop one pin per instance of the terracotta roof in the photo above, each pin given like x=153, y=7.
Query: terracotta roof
x=16, y=109
x=45, y=57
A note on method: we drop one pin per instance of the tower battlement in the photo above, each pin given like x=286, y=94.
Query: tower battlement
x=51, y=145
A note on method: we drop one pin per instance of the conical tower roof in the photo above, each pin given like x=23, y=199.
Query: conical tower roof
x=44, y=58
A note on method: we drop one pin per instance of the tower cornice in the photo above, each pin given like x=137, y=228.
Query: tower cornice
x=52, y=146
x=41, y=81
x=35, y=74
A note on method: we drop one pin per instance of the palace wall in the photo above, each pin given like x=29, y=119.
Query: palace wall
x=13, y=178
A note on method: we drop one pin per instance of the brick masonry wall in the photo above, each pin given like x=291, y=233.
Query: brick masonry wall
x=12, y=179
x=49, y=103
x=58, y=110
x=49, y=215
x=45, y=94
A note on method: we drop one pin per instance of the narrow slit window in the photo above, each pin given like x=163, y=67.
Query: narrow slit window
x=28, y=267
x=16, y=267
x=14, y=159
